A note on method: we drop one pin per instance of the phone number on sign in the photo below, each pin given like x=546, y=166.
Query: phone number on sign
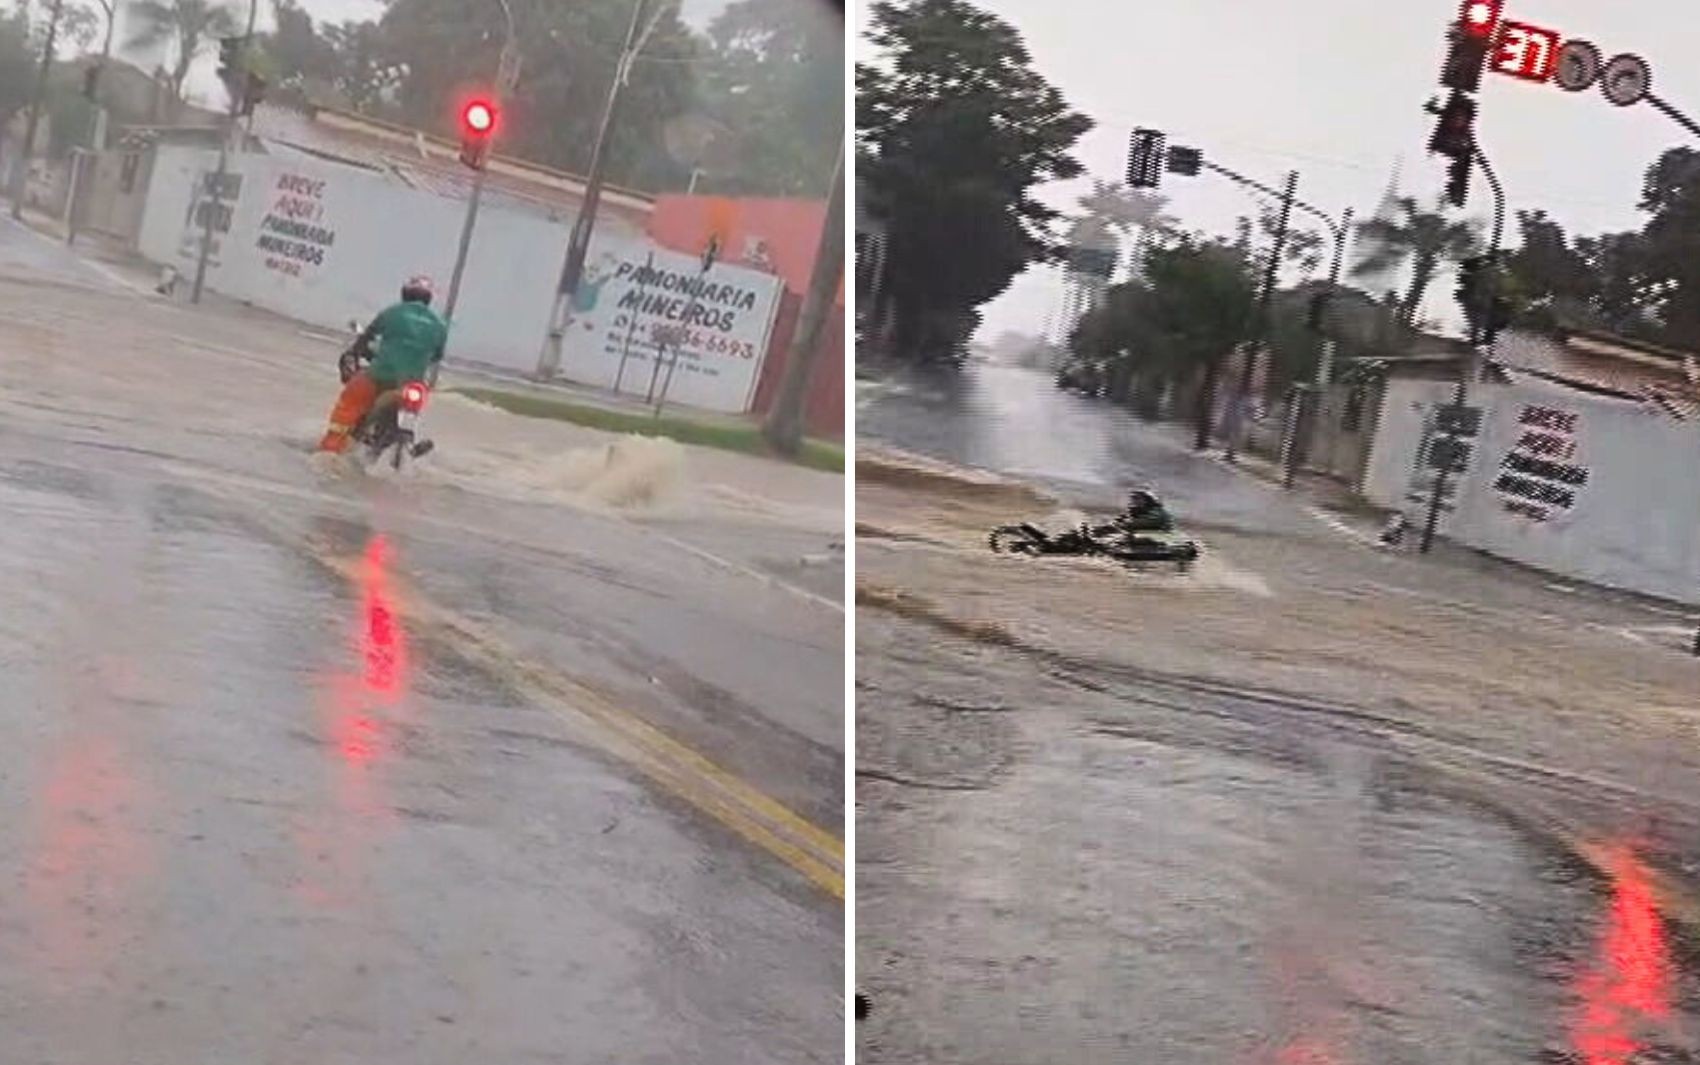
x=695, y=343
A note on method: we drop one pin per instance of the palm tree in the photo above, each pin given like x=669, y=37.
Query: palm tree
x=1426, y=238
x=1114, y=212
x=188, y=25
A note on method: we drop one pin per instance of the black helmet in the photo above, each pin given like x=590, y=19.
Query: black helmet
x=417, y=290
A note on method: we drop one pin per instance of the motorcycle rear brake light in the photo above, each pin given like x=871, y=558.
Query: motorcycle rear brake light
x=413, y=397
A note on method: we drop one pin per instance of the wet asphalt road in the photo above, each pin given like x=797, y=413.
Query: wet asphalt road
x=369, y=773
x=1141, y=874
x=1014, y=421
x=1140, y=871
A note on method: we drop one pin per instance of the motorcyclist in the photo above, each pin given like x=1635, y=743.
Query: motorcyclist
x=410, y=339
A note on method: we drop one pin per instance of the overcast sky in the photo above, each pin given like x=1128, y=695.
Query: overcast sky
x=1335, y=88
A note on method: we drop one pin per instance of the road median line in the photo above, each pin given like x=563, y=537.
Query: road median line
x=751, y=814
x=748, y=812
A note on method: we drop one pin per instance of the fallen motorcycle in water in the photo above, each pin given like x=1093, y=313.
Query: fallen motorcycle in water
x=1126, y=539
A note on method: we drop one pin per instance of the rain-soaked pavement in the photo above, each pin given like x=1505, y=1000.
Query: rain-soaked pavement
x=1014, y=421
x=372, y=772
x=1060, y=860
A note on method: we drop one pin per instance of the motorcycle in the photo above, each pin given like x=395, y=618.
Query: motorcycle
x=1126, y=539
x=390, y=430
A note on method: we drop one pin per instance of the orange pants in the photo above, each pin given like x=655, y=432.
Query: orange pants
x=353, y=404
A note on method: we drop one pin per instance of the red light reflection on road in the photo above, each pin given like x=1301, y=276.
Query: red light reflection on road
x=381, y=644
x=384, y=644
x=89, y=855
x=1627, y=987
x=358, y=717
x=1306, y=1052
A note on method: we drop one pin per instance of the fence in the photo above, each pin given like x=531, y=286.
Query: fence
x=1589, y=487
x=326, y=243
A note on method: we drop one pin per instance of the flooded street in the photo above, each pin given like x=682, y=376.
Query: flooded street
x=369, y=771
x=1297, y=820
x=1017, y=422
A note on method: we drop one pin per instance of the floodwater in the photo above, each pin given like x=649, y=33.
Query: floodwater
x=1016, y=421
x=1168, y=875
x=1070, y=863
x=301, y=771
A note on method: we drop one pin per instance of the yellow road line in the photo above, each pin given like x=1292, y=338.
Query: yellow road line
x=750, y=813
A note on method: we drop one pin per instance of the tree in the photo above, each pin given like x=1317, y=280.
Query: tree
x=1120, y=212
x=17, y=64
x=1670, y=250
x=187, y=26
x=569, y=53
x=345, y=64
x=1192, y=308
x=954, y=129
x=1302, y=247
x=297, y=57
x=361, y=69
x=774, y=74
x=1622, y=290
x=1427, y=239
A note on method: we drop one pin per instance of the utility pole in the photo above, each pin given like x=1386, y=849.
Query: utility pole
x=578, y=245
x=97, y=138
x=1342, y=232
x=217, y=190
x=784, y=426
x=1189, y=161
x=21, y=168
x=1260, y=337
x=507, y=75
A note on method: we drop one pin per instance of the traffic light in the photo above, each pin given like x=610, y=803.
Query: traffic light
x=477, y=126
x=254, y=94
x=1455, y=131
x=1458, y=181
x=1479, y=19
x=1472, y=40
x=1186, y=162
x=1145, y=159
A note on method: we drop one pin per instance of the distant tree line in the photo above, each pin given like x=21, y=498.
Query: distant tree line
x=754, y=106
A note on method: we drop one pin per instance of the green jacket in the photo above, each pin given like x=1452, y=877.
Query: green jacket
x=411, y=337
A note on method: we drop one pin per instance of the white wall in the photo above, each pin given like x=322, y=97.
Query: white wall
x=368, y=232
x=1393, y=457
x=1634, y=523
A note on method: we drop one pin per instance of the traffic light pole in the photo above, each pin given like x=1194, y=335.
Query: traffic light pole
x=1475, y=366
x=507, y=74
x=219, y=175
x=1670, y=112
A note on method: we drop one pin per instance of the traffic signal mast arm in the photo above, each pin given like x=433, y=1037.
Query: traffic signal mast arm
x=1334, y=228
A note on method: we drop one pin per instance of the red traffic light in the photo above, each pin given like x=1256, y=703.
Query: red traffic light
x=1480, y=18
x=479, y=116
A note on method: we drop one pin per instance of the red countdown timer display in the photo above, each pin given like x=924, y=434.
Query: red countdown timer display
x=1525, y=51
